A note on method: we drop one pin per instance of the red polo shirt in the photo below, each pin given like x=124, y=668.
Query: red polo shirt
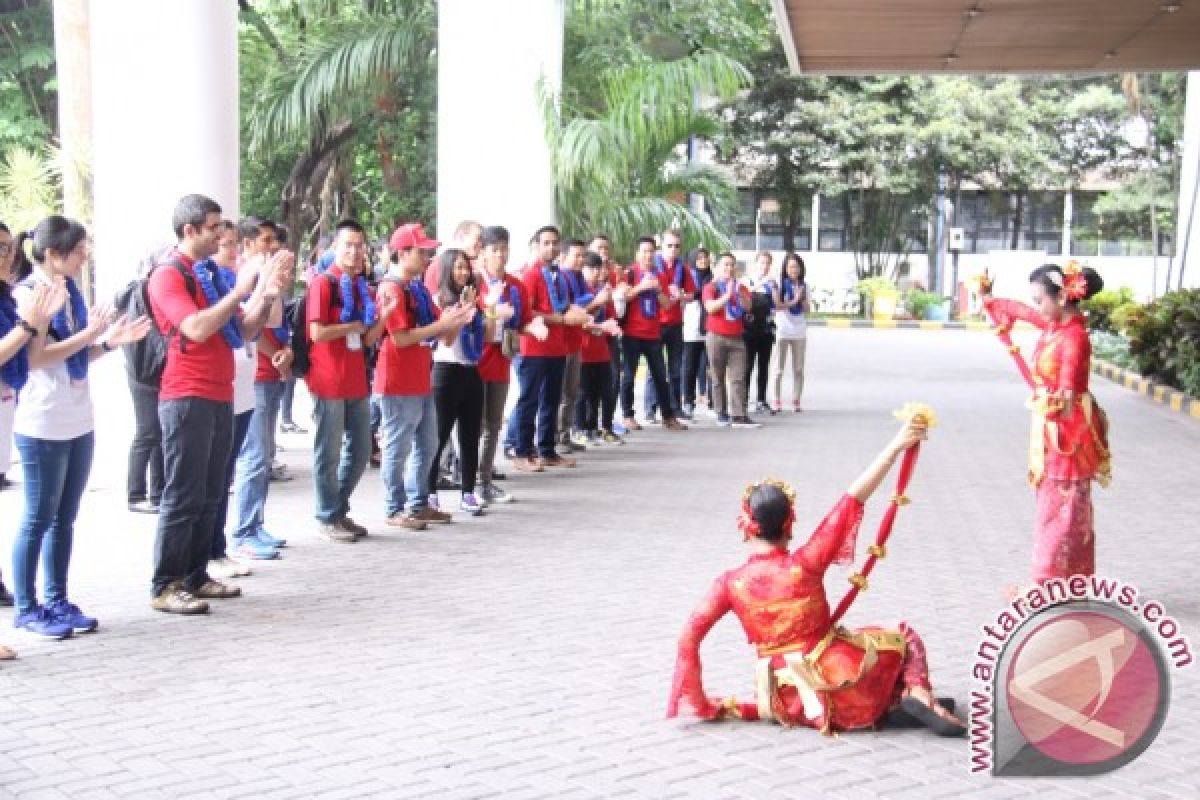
x=493, y=366
x=266, y=372
x=193, y=369
x=403, y=371
x=637, y=324
x=718, y=323
x=538, y=295
x=335, y=371
x=673, y=315
x=595, y=346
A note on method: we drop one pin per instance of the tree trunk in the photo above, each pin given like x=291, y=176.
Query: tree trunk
x=300, y=200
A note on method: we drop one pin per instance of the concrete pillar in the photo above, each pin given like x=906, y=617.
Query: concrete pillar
x=493, y=164
x=1187, y=218
x=815, y=223
x=164, y=121
x=72, y=52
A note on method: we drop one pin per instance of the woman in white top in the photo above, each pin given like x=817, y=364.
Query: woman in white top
x=457, y=387
x=54, y=427
x=792, y=302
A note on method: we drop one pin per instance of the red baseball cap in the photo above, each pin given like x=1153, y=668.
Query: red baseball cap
x=411, y=235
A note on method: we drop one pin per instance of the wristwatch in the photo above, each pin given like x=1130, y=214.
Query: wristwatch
x=25, y=326
x=106, y=347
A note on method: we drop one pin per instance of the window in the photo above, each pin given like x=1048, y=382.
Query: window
x=1114, y=234
x=758, y=229
x=843, y=221
x=987, y=219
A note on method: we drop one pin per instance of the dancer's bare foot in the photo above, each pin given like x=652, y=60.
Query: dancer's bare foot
x=7, y=653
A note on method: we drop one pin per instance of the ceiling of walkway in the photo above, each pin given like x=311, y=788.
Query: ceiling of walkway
x=846, y=37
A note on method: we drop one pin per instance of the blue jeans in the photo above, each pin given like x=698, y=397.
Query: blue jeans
x=510, y=430
x=541, y=381
x=410, y=437
x=254, y=462
x=672, y=342
x=197, y=437
x=55, y=475
x=341, y=450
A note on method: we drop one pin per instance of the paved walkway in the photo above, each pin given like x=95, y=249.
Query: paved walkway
x=529, y=653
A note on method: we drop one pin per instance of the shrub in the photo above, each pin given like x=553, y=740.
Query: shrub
x=918, y=301
x=1101, y=306
x=1164, y=340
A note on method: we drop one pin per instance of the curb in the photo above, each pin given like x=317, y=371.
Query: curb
x=1163, y=395
x=914, y=324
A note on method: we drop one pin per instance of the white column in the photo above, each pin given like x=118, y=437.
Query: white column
x=1187, y=219
x=165, y=121
x=815, y=223
x=493, y=165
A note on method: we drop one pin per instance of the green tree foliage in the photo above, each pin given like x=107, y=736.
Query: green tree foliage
x=27, y=81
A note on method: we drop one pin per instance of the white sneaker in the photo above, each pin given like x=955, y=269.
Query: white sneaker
x=228, y=568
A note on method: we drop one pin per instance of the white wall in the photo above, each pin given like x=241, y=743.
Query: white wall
x=493, y=165
x=165, y=121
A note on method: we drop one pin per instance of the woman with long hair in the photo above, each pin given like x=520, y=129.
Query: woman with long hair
x=1069, y=436
x=457, y=386
x=759, y=332
x=55, y=426
x=20, y=322
x=791, y=304
x=810, y=671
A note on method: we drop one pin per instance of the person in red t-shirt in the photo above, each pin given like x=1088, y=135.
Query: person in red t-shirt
x=506, y=301
x=343, y=321
x=582, y=296
x=199, y=317
x=403, y=382
x=726, y=301
x=602, y=247
x=540, y=372
x=644, y=292
x=681, y=290
x=597, y=402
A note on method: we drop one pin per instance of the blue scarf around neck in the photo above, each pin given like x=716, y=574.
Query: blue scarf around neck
x=214, y=284
x=15, y=371
x=77, y=364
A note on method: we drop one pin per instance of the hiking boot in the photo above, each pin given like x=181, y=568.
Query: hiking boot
x=215, y=590
x=428, y=514
x=335, y=533
x=176, y=600
x=407, y=521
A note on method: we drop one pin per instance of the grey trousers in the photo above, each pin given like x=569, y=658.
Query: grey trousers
x=785, y=349
x=727, y=357
x=494, y=397
x=570, y=394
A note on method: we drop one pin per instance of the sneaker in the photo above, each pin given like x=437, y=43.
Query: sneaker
x=215, y=590
x=619, y=429
x=428, y=514
x=672, y=424
x=581, y=440
x=253, y=549
x=268, y=539
x=745, y=422
x=350, y=525
x=707, y=413
x=407, y=521
x=42, y=623
x=470, y=504
x=227, y=567
x=497, y=475
x=510, y=453
x=143, y=507
x=280, y=474
x=176, y=600
x=434, y=502
x=335, y=533
x=611, y=437
x=494, y=494
x=723, y=420
x=631, y=424
x=69, y=614
x=6, y=597
x=556, y=461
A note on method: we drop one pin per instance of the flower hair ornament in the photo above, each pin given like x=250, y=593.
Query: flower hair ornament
x=749, y=526
x=1074, y=281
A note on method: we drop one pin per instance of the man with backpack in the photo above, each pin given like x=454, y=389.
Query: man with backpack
x=144, y=360
x=341, y=321
x=203, y=321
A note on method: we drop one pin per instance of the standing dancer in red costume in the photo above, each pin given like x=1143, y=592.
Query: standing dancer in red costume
x=811, y=671
x=1068, y=441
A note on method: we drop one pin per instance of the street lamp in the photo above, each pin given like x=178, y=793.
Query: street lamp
x=768, y=205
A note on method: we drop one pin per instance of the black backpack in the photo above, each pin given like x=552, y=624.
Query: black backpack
x=146, y=359
x=301, y=345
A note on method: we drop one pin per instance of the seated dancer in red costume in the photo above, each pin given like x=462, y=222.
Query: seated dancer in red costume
x=809, y=671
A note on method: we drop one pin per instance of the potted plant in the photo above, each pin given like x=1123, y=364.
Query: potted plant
x=879, y=297
x=925, y=305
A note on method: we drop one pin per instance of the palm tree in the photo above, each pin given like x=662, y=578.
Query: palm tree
x=621, y=168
